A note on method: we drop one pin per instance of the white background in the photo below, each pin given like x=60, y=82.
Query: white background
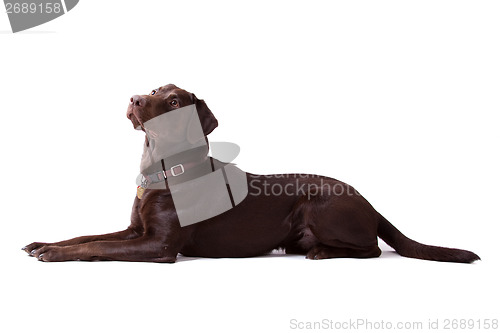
x=399, y=99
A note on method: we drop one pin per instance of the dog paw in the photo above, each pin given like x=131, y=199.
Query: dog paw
x=166, y=259
x=319, y=252
x=31, y=248
x=47, y=253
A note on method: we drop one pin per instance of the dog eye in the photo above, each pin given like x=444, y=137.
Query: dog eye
x=174, y=102
x=153, y=92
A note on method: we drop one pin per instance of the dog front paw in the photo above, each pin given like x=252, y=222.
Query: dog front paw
x=31, y=248
x=48, y=253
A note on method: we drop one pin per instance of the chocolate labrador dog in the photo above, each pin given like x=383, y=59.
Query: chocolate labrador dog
x=316, y=216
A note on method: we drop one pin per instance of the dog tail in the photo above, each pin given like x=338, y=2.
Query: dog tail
x=412, y=249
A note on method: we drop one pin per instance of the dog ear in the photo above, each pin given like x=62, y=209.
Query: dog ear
x=207, y=118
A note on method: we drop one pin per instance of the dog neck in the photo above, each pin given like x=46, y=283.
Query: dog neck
x=178, y=168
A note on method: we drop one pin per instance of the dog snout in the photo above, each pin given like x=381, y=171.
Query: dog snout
x=137, y=100
x=129, y=113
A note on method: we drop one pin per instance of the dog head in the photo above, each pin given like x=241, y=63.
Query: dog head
x=166, y=99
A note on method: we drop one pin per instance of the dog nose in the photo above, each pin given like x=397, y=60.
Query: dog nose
x=137, y=100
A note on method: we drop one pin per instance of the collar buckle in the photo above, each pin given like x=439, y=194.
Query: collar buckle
x=173, y=171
